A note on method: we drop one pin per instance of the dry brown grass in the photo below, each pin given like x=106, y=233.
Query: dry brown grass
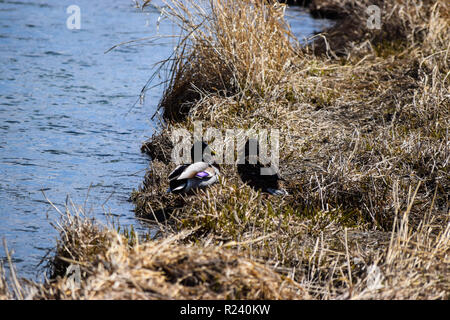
x=114, y=266
x=229, y=48
x=323, y=261
x=5, y=292
x=354, y=127
x=362, y=124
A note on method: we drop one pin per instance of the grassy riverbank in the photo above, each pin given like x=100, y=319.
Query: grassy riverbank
x=363, y=116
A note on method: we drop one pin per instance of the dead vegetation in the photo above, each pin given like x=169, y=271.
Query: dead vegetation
x=5, y=292
x=363, y=117
x=323, y=261
x=356, y=129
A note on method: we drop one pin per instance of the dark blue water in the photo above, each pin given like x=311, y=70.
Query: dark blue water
x=64, y=120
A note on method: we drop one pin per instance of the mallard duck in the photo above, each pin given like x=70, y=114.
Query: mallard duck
x=250, y=172
x=200, y=174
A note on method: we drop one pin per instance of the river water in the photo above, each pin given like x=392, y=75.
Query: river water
x=67, y=126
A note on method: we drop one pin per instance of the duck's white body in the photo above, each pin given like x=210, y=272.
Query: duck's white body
x=193, y=176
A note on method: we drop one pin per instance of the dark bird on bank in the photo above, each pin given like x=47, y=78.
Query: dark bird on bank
x=201, y=173
x=249, y=169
